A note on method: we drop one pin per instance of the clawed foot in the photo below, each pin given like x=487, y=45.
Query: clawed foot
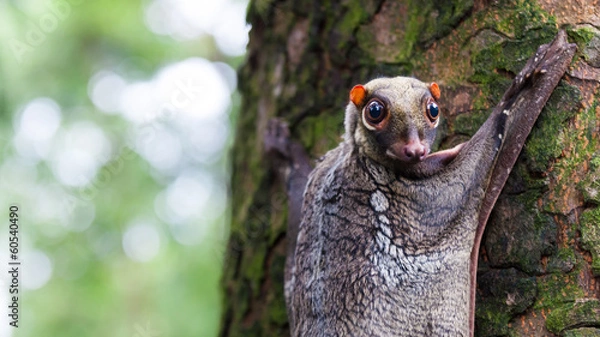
x=547, y=59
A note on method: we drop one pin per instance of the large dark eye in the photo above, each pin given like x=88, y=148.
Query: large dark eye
x=433, y=111
x=375, y=112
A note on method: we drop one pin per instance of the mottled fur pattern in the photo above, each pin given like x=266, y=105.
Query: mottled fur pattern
x=375, y=248
x=387, y=247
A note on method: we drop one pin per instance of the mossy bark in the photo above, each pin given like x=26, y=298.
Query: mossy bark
x=541, y=252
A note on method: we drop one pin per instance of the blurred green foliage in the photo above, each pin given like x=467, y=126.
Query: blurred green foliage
x=95, y=289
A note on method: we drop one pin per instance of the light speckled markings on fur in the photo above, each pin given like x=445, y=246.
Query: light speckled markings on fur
x=379, y=201
x=390, y=249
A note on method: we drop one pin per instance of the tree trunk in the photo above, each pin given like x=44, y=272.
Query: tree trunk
x=540, y=254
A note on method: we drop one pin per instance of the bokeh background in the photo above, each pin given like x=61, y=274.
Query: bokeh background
x=116, y=119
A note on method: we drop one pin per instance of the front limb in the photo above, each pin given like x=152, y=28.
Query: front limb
x=510, y=124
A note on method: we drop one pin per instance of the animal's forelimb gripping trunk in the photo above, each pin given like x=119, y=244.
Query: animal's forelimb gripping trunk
x=520, y=107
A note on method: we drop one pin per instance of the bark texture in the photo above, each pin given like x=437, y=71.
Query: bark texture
x=540, y=255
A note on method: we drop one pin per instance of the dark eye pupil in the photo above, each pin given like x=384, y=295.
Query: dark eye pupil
x=434, y=111
x=375, y=110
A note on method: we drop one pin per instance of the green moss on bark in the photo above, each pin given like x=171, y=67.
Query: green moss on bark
x=553, y=290
x=562, y=262
x=517, y=236
x=582, y=332
x=590, y=236
x=590, y=185
x=577, y=314
x=541, y=149
x=502, y=294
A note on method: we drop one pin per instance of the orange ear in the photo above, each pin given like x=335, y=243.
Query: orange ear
x=435, y=90
x=357, y=95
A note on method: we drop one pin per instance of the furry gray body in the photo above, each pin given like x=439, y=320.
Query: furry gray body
x=379, y=254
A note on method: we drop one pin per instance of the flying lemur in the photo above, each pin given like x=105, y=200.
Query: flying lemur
x=383, y=234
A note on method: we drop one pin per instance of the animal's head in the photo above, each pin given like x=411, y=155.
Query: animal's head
x=394, y=120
